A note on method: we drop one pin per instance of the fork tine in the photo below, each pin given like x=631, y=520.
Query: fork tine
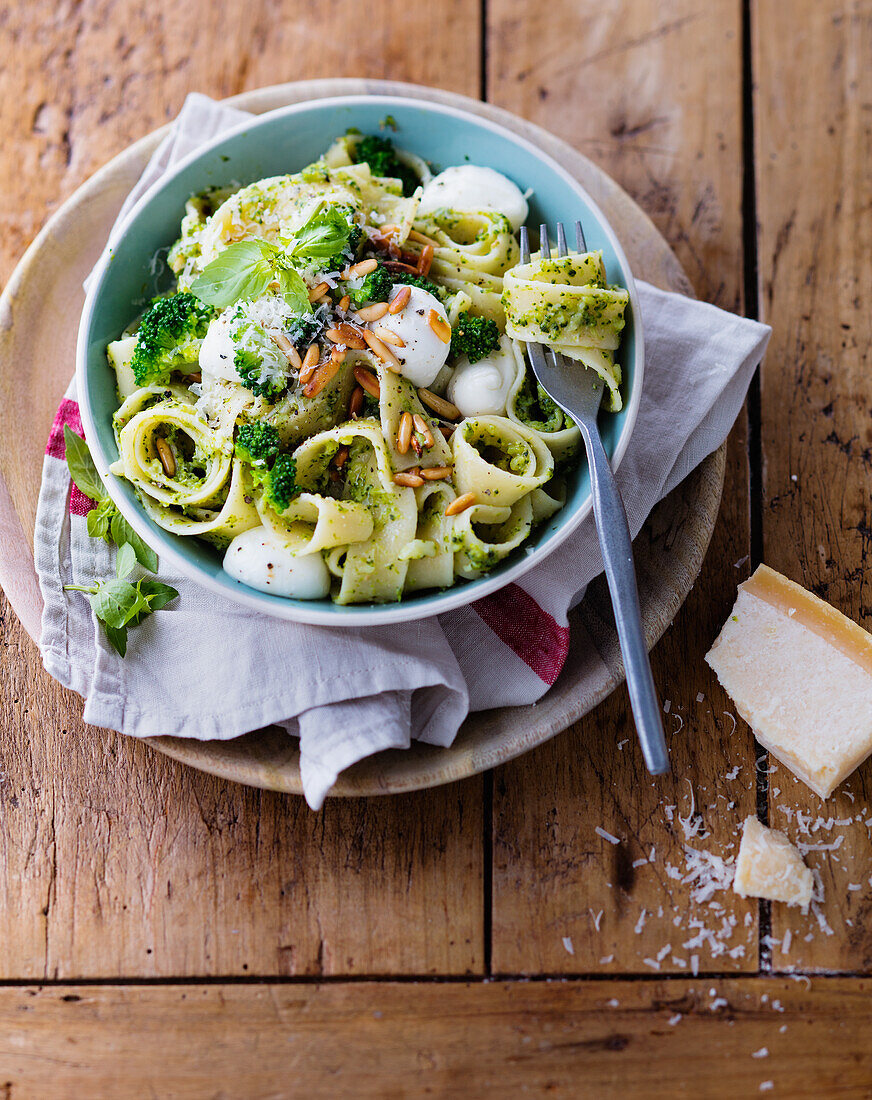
x=562, y=250
x=525, y=245
x=579, y=238
x=544, y=245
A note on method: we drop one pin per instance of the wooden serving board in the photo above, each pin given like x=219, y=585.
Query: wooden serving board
x=39, y=313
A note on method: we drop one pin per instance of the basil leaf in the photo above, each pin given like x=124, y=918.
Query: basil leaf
x=117, y=635
x=294, y=290
x=157, y=593
x=123, y=533
x=125, y=560
x=112, y=602
x=81, y=465
x=324, y=235
x=98, y=522
x=243, y=270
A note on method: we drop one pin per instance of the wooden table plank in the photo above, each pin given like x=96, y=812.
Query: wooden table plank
x=814, y=160
x=679, y=1038
x=115, y=861
x=654, y=96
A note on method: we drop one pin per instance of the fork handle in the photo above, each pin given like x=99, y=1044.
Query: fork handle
x=617, y=551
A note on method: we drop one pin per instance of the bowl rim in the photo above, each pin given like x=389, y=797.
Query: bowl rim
x=337, y=615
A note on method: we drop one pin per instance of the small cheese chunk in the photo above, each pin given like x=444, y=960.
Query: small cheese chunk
x=770, y=867
x=800, y=674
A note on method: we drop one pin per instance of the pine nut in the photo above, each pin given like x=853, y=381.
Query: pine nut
x=388, y=336
x=355, y=403
x=412, y=481
x=197, y=376
x=310, y=360
x=375, y=312
x=367, y=381
x=425, y=259
x=460, y=504
x=362, y=268
x=344, y=302
x=416, y=445
x=404, y=433
x=287, y=349
x=318, y=292
x=324, y=374
x=439, y=404
x=440, y=326
x=349, y=335
x=382, y=351
x=340, y=458
x=414, y=235
x=166, y=456
x=400, y=300
x=436, y=473
x=423, y=427
x=446, y=431
x=337, y=356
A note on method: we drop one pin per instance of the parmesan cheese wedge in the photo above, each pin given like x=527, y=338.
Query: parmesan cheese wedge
x=800, y=674
x=769, y=866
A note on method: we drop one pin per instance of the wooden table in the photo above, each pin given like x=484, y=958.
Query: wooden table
x=164, y=933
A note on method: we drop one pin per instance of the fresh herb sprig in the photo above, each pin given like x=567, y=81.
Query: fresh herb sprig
x=245, y=269
x=117, y=603
x=104, y=521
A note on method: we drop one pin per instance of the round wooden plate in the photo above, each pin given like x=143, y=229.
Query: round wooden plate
x=39, y=314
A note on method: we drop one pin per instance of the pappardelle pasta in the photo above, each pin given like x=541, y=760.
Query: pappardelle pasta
x=335, y=393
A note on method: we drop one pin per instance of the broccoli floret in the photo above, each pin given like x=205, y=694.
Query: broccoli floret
x=409, y=279
x=280, y=485
x=474, y=337
x=257, y=444
x=376, y=287
x=303, y=330
x=380, y=155
x=169, y=337
x=250, y=368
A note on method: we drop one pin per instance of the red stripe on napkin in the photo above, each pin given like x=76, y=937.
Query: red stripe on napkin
x=534, y=635
x=68, y=413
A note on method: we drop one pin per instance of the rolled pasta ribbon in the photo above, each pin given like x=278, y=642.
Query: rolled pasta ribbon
x=199, y=459
x=469, y=246
x=564, y=302
x=484, y=535
x=313, y=456
x=499, y=461
x=431, y=562
x=312, y=522
x=219, y=524
x=145, y=396
x=396, y=396
x=375, y=570
x=529, y=406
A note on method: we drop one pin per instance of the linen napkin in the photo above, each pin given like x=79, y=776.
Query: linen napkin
x=211, y=669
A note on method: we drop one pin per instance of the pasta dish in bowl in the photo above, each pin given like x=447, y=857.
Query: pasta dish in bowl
x=325, y=394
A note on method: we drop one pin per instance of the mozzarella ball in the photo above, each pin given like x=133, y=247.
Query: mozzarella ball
x=470, y=189
x=483, y=387
x=425, y=352
x=217, y=350
x=262, y=559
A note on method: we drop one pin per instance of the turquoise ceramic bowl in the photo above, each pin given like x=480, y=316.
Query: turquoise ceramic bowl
x=284, y=141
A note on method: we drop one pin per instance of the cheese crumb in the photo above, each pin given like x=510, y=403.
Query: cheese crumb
x=610, y=837
x=567, y=945
x=763, y=1052
x=770, y=867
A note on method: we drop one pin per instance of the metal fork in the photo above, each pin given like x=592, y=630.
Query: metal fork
x=579, y=395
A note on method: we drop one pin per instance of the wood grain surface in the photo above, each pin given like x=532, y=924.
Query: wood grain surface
x=555, y=878
x=118, y=864
x=670, y=1039
x=815, y=275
